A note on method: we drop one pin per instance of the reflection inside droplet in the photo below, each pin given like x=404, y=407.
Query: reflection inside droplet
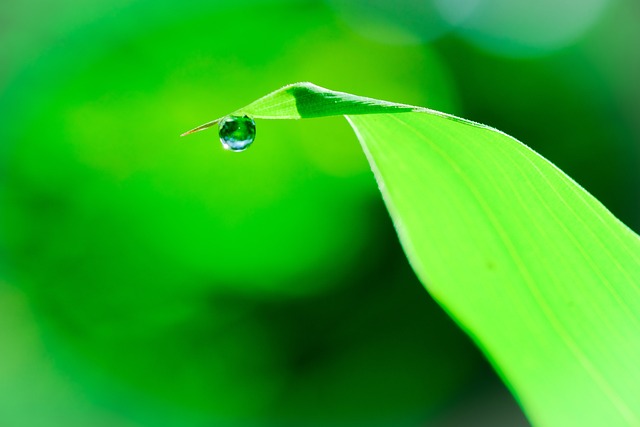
x=237, y=133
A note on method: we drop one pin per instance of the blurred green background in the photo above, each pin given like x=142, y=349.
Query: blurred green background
x=148, y=280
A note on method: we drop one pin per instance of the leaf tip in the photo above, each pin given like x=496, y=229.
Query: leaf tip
x=200, y=128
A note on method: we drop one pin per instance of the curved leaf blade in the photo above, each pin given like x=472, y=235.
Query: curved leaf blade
x=540, y=274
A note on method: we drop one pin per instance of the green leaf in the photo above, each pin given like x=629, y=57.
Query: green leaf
x=541, y=275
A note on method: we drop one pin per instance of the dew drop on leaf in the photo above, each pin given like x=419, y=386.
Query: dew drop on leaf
x=236, y=132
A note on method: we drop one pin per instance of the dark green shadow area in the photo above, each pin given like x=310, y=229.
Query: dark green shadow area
x=312, y=103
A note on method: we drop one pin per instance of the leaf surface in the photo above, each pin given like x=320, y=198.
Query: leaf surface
x=541, y=275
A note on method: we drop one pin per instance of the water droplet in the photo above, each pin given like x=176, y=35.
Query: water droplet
x=237, y=133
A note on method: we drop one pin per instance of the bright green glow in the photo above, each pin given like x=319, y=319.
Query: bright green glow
x=150, y=247
x=543, y=277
